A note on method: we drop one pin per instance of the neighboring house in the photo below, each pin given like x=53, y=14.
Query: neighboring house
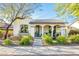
x=38, y=27
x=3, y=26
x=75, y=25
x=74, y=28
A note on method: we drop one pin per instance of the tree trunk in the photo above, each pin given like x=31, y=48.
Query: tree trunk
x=6, y=33
x=7, y=29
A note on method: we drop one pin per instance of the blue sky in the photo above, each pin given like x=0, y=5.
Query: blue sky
x=48, y=12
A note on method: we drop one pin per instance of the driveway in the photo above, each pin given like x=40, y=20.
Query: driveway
x=39, y=51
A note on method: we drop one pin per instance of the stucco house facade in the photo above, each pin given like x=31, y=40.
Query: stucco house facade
x=38, y=27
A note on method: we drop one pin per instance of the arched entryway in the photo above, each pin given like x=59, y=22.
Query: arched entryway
x=48, y=29
x=56, y=31
x=38, y=31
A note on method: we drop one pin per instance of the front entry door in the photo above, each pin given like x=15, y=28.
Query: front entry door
x=37, y=31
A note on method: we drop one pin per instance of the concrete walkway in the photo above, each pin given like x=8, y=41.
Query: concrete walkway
x=40, y=51
x=37, y=42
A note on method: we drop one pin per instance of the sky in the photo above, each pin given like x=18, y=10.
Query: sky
x=48, y=12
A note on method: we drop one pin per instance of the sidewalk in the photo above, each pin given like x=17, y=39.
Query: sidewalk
x=40, y=51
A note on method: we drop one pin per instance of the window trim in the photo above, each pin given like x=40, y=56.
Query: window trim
x=22, y=25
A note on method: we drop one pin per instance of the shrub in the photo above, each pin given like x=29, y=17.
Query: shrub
x=68, y=41
x=7, y=42
x=10, y=33
x=61, y=39
x=30, y=38
x=77, y=39
x=26, y=40
x=54, y=42
x=48, y=39
x=1, y=33
x=74, y=38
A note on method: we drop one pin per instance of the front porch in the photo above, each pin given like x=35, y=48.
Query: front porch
x=40, y=29
x=48, y=26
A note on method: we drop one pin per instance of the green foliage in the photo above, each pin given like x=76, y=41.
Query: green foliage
x=30, y=38
x=70, y=8
x=77, y=38
x=61, y=39
x=26, y=40
x=54, y=42
x=7, y=42
x=68, y=41
x=1, y=33
x=74, y=38
x=47, y=38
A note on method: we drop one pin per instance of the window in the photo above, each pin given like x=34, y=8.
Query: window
x=24, y=29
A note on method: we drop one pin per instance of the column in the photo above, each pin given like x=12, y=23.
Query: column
x=32, y=30
x=42, y=30
x=67, y=30
x=52, y=30
x=62, y=31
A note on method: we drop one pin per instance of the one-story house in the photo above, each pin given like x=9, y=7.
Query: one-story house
x=38, y=27
x=3, y=26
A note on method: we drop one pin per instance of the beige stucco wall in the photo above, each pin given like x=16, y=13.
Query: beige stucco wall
x=17, y=24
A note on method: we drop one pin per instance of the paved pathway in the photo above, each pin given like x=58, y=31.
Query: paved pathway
x=37, y=42
x=52, y=50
